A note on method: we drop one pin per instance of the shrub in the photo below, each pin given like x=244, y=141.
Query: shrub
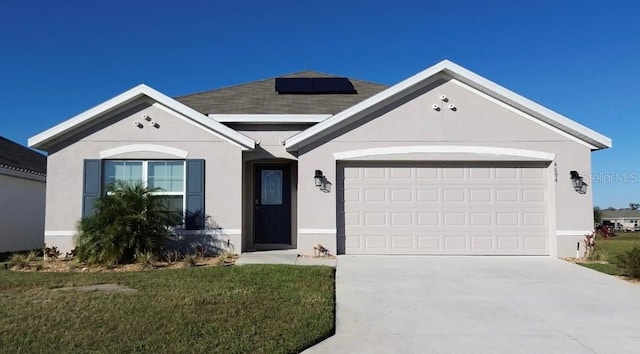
x=146, y=260
x=51, y=252
x=190, y=260
x=629, y=262
x=31, y=256
x=128, y=219
x=18, y=261
x=172, y=256
x=225, y=258
x=594, y=255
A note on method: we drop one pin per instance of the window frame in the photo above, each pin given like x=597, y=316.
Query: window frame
x=145, y=178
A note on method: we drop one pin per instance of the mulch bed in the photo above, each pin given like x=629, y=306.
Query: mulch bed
x=70, y=265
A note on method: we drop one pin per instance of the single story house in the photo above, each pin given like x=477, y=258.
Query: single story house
x=22, y=197
x=444, y=162
x=623, y=219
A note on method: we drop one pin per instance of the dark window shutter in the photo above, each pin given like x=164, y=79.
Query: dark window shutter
x=194, y=215
x=90, y=185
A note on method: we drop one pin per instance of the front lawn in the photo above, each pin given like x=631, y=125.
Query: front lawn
x=615, y=246
x=238, y=309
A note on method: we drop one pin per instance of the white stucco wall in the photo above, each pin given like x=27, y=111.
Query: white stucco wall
x=22, y=205
x=223, y=168
x=477, y=121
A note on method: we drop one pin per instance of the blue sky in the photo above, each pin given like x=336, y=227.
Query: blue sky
x=579, y=58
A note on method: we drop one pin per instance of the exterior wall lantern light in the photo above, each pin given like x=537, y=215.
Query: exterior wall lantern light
x=321, y=182
x=318, y=178
x=578, y=182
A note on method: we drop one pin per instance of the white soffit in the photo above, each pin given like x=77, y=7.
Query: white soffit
x=59, y=131
x=432, y=73
x=270, y=118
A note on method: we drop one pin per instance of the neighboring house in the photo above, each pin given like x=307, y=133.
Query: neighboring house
x=444, y=162
x=22, y=197
x=623, y=219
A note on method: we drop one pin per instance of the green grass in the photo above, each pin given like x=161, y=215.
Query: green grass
x=615, y=246
x=239, y=309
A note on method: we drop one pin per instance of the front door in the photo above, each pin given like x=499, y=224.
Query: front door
x=272, y=204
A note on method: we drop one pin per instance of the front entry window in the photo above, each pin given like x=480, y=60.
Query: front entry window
x=271, y=187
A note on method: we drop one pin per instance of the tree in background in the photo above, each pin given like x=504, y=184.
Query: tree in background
x=597, y=215
x=634, y=206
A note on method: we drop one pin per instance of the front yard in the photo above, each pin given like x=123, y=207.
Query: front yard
x=612, y=248
x=238, y=309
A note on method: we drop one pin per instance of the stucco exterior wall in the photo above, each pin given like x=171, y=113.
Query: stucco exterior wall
x=223, y=167
x=22, y=205
x=476, y=121
x=269, y=138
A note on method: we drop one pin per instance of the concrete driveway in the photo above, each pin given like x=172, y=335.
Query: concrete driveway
x=393, y=304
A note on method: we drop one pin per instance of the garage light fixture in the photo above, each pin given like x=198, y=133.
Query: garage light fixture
x=318, y=178
x=578, y=182
x=321, y=182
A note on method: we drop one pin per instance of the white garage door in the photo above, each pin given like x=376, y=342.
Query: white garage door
x=443, y=210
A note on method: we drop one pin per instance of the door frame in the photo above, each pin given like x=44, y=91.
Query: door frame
x=248, y=233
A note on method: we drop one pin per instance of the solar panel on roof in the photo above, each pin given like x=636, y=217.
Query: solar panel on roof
x=294, y=85
x=332, y=85
x=315, y=85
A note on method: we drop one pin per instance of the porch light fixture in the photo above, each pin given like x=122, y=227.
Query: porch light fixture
x=321, y=182
x=318, y=178
x=578, y=182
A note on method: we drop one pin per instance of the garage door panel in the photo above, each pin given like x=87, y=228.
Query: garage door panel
x=398, y=195
x=453, y=244
x=444, y=210
x=435, y=217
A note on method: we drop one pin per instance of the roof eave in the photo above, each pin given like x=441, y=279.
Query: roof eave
x=528, y=106
x=591, y=137
x=50, y=136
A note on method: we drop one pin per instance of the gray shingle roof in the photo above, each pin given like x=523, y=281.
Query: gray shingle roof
x=16, y=157
x=260, y=97
x=622, y=213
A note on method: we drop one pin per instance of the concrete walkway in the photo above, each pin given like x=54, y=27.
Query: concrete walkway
x=282, y=257
x=404, y=304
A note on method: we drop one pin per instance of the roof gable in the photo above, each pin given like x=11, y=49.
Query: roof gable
x=64, y=129
x=447, y=69
x=261, y=97
x=16, y=157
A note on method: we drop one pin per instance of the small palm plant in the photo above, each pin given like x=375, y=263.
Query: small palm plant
x=128, y=220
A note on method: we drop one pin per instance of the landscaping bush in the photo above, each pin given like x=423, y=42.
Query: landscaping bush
x=595, y=256
x=128, y=220
x=190, y=260
x=146, y=260
x=18, y=261
x=629, y=262
x=32, y=256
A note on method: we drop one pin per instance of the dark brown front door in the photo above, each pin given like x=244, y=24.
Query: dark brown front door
x=272, y=204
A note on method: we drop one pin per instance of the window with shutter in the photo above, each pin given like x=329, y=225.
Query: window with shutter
x=179, y=182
